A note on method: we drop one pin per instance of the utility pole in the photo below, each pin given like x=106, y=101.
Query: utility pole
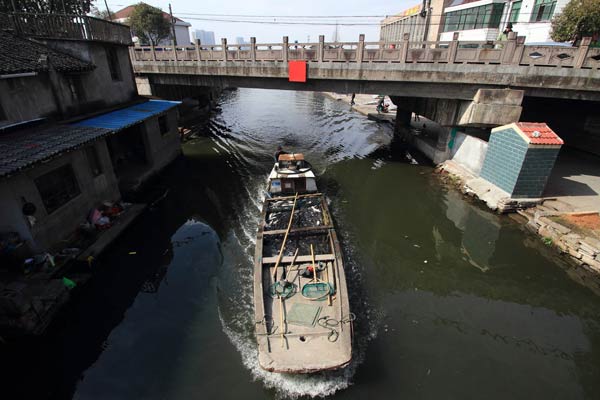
x=14, y=7
x=172, y=25
x=108, y=10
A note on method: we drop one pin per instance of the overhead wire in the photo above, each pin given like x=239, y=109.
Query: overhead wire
x=327, y=23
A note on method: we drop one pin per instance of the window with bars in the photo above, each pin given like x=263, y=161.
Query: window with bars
x=543, y=10
x=57, y=187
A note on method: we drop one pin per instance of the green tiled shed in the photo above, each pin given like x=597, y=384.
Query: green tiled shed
x=520, y=158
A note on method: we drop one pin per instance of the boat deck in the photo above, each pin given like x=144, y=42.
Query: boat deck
x=296, y=333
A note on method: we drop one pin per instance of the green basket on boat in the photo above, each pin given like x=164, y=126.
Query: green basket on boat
x=317, y=290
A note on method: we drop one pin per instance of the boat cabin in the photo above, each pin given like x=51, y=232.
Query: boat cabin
x=291, y=174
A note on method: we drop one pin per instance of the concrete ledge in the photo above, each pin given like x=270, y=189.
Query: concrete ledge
x=109, y=235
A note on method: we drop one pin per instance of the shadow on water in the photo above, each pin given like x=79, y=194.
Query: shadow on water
x=452, y=301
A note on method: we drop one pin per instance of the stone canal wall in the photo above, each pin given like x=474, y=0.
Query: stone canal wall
x=582, y=250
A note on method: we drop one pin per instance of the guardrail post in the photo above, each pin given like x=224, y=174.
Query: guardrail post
x=224, y=47
x=153, y=52
x=285, y=49
x=581, y=54
x=175, y=53
x=360, y=50
x=253, y=48
x=453, y=48
x=520, y=48
x=321, y=47
x=404, y=49
x=197, y=44
x=508, y=51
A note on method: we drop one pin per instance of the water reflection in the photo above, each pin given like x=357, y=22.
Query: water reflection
x=452, y=301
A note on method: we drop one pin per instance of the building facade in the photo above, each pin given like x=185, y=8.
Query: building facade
x=486, y=19
x=73, y=132
x=421, y=22
x=205, y=37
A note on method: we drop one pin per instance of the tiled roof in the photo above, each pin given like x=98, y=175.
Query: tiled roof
x=24, y=148
x=539, y=133
x=18, y=55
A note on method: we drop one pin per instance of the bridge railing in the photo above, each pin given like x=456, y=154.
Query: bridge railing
x=510, y=52
x=65, y=26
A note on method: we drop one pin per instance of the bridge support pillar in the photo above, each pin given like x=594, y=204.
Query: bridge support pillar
x=403, y=118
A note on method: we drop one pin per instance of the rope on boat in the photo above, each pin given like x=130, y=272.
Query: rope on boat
x=330, y=323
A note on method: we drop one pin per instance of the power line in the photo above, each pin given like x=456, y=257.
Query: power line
x=283, y=16
x=329, y=23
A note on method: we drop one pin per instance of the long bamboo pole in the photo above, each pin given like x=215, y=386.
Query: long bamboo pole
x=285, y=239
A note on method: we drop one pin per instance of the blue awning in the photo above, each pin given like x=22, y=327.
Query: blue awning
x=126, y=117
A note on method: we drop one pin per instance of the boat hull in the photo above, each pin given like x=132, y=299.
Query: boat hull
x=296, y=333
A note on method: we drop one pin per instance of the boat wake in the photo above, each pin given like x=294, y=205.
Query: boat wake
x=247, y=154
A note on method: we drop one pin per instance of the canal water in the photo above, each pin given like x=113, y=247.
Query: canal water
x=451, y=300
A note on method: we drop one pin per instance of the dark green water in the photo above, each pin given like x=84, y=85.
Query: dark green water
x=452, y=301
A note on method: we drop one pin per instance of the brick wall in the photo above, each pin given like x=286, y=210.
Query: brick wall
x=505, y=155
x=520, y=171
x=535, y=171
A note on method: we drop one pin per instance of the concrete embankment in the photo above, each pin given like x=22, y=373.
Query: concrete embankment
x=575, y=235
x=556, y=218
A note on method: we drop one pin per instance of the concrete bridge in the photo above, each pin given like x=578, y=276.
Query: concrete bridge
x=453, y=70
x=455, y=83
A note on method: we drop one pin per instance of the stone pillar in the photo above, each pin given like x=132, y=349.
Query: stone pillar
x=403, y=118
x=285, y=49
x=253, y=48
x=442, y=151
x=404, y=51
x=581, y=54
x=198, y=49
x=224, y=47
x=508, y=51
x=321, y=47
x=445, y=114
x=453, y=48
x=360, y=50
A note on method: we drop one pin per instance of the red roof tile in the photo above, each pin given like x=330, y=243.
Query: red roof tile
x=539, y=133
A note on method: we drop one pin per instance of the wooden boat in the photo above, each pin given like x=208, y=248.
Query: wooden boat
x=302, y=312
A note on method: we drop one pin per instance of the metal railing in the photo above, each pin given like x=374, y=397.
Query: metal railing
x=63, y=26
x=510, y=52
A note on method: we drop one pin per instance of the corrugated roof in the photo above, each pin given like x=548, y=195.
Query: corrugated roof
x=126, y=117
x=24, y=148
x=20, y=55
x=539, y=133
